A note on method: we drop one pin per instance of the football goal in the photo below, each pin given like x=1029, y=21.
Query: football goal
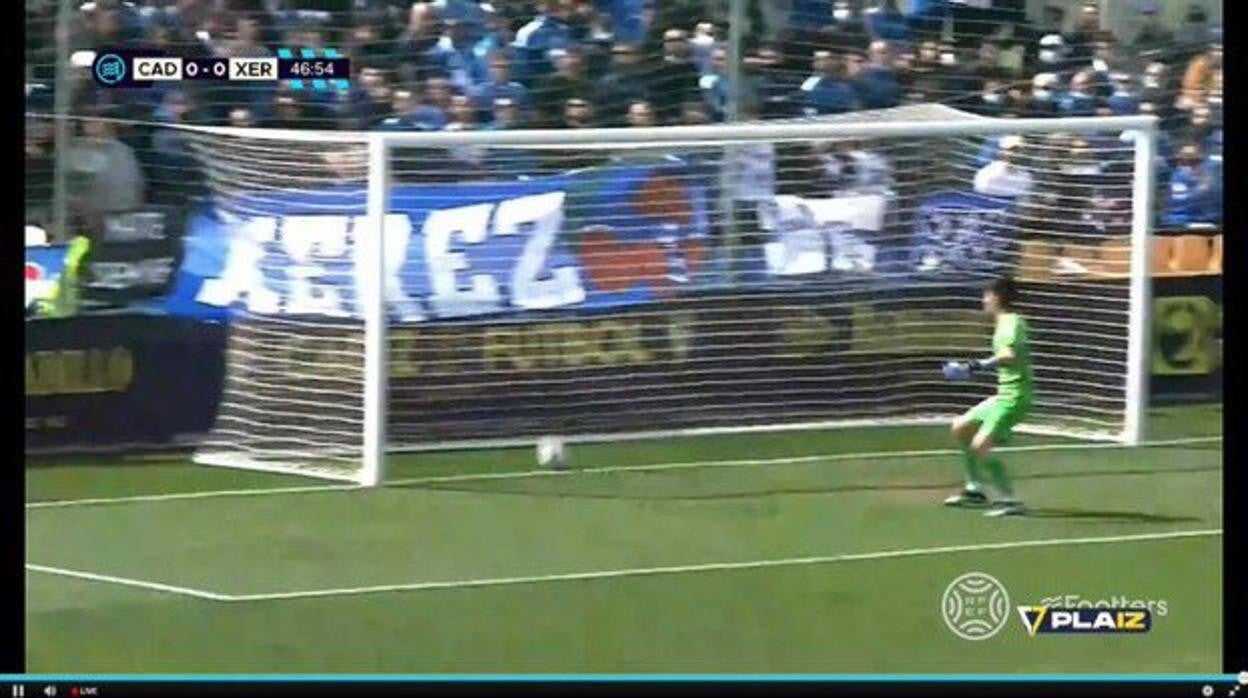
x=402, y=291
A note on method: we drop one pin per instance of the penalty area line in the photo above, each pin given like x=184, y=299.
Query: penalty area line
x=651, y=467
x=641, y=571
x=127, y=582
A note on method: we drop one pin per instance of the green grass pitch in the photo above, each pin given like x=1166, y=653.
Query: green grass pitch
x=818, y=564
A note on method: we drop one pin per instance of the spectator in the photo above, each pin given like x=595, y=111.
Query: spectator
x=1199, y=76
x=623, y=85
x=547, y=31
x=1213, y=170
x=242, y=117
x=702, y=45
x=375, y=95
x=350, y=111
x=1199, y=127
x=814, y=15
x=403, y=105
x=1078, y=100
x=453, y=58
x=817, y=24
x=1123, y=101
x=499, y=85
x=1153, y=35
x=1213, y=98
x=470, y=16
x=434, y=112
x=925, y=79
x=509, y=162
x=1103, y=59
x=1081, y=41
x=111, y=24
x=681, y=13
x=1195, y=30
x=1165, y=150
x=628, y=22
x=246, y=42
x=886, y=23
x=1054, y=56
x=497, y=37
x=987, y=64
x=597, y=45
x=1191, y=189
x=174, y=109
x=287, y=112
x=567, y=82
x=39, y=171
x=580, y=17
x=875, y=83
x=423, y=32
x=462, y=116
x=675, y=80
x=1043, y=101
x=577, y=113
x=848, y=30
x=366, y=47
x=641, y=114
x=694, y=114
x=778, y=92
x=104, y=174
x=1003, y=177
x=467, y=161
x=991, y=100
x=960, y=81
x=505, y=115
x=1158, y=88
x=715, y=86
x=827, y=91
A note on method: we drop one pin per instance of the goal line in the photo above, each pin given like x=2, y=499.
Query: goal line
x=645, y=467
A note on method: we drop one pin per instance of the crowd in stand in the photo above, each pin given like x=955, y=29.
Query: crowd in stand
x=461, y=65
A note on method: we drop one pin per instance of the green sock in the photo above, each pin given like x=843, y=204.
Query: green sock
x=970, y=463
x=999, y=477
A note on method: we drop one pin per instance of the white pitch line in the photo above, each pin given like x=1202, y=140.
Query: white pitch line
x=787, y=460
x=718, y=566
x=436, y=479
x=127, y=582
x=617, y=573
x=209, y=494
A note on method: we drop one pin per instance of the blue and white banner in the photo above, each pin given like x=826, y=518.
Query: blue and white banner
x=588, y=240
x=813, y=236
x=958, y=231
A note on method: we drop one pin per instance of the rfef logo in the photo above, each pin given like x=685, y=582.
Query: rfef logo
x=975, y=606
x=1046, y=619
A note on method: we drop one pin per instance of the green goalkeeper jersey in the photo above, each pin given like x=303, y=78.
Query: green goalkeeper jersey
x=1015, y=381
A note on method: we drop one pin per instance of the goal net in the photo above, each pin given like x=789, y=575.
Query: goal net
x=623, y=283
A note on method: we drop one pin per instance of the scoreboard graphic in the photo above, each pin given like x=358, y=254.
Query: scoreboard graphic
x=323, y=69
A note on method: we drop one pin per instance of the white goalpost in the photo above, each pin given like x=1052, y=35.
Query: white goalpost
x=405, y=291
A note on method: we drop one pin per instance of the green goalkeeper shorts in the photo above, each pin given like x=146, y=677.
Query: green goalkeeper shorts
x=998, y=416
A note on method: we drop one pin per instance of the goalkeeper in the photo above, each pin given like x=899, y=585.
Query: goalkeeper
x=991, y=422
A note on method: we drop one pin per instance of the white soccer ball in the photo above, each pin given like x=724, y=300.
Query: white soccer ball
x=551, y=453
